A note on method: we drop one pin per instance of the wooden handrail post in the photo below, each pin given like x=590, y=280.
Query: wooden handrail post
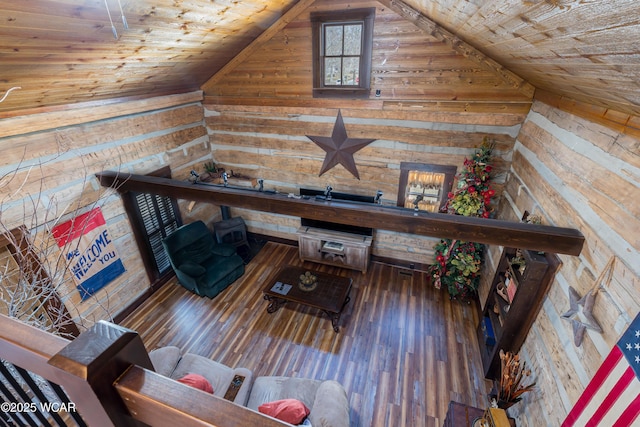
x=98, y=357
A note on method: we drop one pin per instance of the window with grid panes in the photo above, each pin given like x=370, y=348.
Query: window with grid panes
x=342, y=44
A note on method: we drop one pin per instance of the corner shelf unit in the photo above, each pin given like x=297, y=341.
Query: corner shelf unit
x=334, y=248
x=513, y=302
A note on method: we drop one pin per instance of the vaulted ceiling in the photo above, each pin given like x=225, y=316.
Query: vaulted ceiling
x=67, y=51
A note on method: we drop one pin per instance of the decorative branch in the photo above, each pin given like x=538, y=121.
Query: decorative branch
x=36, y=286
x=512, y=373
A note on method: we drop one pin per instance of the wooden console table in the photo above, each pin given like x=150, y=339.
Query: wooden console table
x=334, y=248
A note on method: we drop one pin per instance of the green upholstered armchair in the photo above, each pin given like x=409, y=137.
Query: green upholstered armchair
x=202, y=265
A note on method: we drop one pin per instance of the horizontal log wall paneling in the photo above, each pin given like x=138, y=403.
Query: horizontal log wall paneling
x=438, y=98
x=625, y=123
x=410, y=61
x=48, y=178
x=580, y=174
x=36, y=119
x=271, y=143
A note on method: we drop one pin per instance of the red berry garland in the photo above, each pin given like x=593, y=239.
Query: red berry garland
x=458, y=263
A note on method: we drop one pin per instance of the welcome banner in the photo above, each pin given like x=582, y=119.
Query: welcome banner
x=90, y=252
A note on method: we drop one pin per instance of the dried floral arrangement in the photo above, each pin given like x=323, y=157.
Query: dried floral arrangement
x=510, y=387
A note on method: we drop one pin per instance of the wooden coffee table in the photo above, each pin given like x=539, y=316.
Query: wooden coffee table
x=330, y=294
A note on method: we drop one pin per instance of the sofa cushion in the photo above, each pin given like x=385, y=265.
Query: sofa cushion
x=192, y=269
x=327, y=400
x=291, y=411
x=223, y=249
x=331, y=406
x=196, y=381
x=190, y=242
x=198, y=251
x=218, y=270
x=219, y=376
x=269, y=389
x=165, y=359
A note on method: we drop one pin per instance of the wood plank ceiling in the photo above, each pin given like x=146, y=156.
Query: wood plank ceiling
x=64, y=51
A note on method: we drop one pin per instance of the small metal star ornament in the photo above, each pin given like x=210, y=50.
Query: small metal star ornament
x=580, y=314
x=581, y=309
x=340, y=148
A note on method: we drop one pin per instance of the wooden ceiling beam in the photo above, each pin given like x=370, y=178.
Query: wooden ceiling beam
x=489, y=231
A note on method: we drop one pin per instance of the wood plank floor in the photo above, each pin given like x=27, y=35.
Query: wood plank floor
x=404, y=350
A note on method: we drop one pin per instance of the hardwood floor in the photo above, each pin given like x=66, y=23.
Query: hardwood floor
x=404, y=350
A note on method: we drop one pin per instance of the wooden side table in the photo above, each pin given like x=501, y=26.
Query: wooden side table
x=461, y=415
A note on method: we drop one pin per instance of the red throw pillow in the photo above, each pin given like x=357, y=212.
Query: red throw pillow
x=291, y=411
x=197, y=381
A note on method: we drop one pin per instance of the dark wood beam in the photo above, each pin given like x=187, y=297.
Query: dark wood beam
x=490, y=231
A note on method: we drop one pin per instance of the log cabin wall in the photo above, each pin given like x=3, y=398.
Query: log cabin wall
x=435, y=106
x=48, y=164
x=576, y=173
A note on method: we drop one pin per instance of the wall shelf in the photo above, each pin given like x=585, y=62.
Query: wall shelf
x=505, y=323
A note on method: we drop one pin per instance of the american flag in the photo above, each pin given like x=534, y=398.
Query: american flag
x=612, y=398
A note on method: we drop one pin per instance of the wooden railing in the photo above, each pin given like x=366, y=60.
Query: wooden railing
x=30, y=349
x=108, y=380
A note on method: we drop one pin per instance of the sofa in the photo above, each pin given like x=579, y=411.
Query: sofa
x=326, y=400
x=202, y=265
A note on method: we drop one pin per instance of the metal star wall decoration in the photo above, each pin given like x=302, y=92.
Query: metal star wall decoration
x=340, y=148
x=580, y=314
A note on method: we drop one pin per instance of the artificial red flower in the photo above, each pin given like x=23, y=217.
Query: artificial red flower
x=472, y=197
